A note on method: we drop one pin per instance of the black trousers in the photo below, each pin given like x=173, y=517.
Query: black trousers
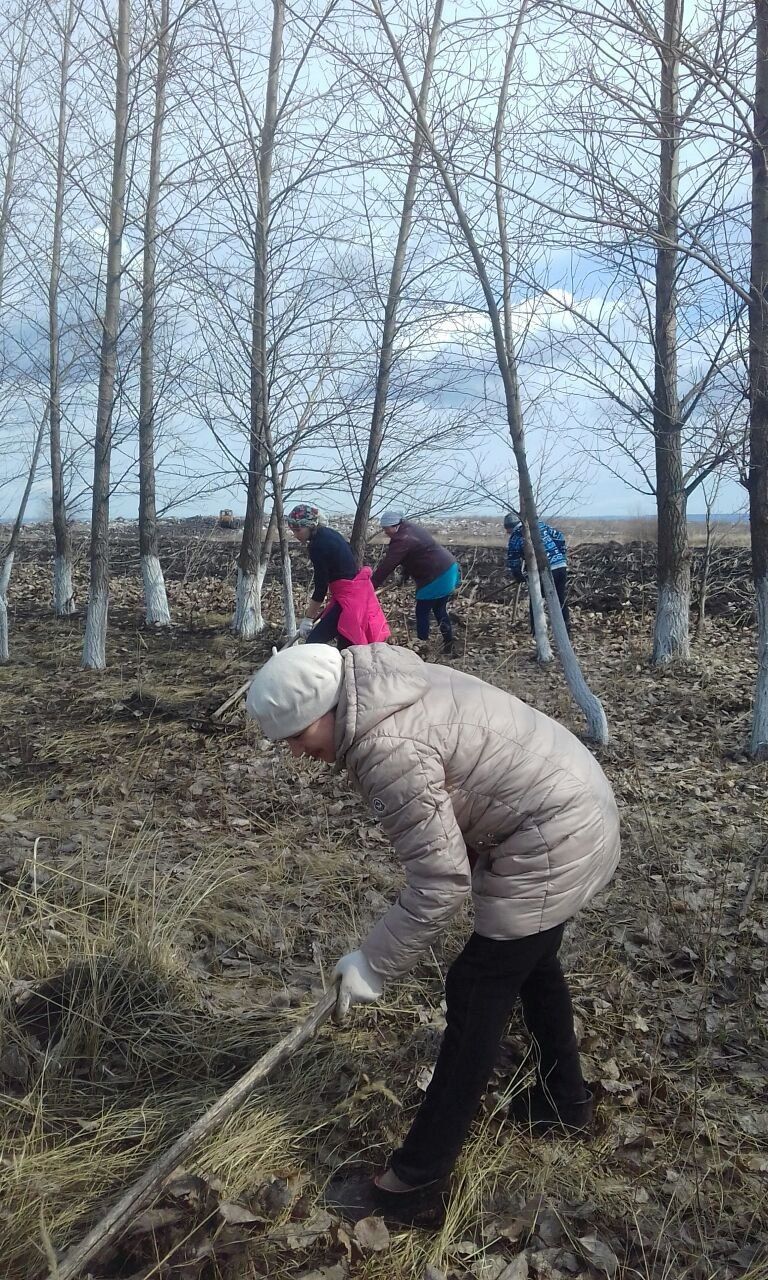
x=440, y=610
x=560, y=577
x=481, y=989
x=327, y=629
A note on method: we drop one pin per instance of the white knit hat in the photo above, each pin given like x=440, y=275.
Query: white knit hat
x=391, y=519
x=294, y=689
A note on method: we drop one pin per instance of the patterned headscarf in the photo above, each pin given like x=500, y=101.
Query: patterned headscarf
x=305, y=516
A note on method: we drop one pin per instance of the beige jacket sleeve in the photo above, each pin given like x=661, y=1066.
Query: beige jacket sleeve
x=404, y=783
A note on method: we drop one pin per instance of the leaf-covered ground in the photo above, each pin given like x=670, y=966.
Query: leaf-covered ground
x=194, y=888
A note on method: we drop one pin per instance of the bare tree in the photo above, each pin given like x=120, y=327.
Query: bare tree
x=626, y=82
x=63, y=588
x=597, y=725
x=758, y=377
x=543, y=648
x=95, y=642
x=370, y=474
x=155, y=596
x=671, y=638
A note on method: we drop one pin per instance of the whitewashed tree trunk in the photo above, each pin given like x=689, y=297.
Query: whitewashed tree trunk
x=95, y=642
x=671, y=638
x=597, y=724
x=289, y=609
x=63, y=588
x=758, y=743
x=541, y=635
x=249, y=619
x=156, y=609
x=5, y=578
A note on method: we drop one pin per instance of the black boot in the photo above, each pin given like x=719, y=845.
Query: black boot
x=354, y=1194
x=423, y=1207
x=538, y=1111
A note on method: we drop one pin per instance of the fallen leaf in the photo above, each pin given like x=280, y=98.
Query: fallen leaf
x=517, y=1269
x=371, y=1234
x=758, y=1164
x=235, y=1213
x=754, y=1123
x=600, y=1255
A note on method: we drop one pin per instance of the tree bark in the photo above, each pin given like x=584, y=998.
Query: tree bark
x=394, y=292
x=758, y=382
x=156, y=608
x=95, y=642
x=63, y=588
x=248, y=618
x=671, y=627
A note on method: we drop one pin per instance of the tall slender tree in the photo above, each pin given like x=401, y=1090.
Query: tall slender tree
x=386, y=358
x=758, y=379
x=95, y=641
x=597, y=724
x=155, y=596
x=247, y=620
x=63, y=588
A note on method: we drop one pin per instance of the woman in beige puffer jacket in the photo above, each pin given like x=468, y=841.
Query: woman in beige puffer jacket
x=480, y=795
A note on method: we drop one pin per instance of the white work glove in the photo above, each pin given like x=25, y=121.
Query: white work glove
x=358, y=983
x=305, y=626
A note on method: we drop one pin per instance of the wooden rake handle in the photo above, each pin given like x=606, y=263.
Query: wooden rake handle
x=112, y=1225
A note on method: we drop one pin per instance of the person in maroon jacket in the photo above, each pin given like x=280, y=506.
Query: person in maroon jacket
x=434, y=570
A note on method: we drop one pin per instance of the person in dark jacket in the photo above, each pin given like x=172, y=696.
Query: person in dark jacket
x=554, y=546
x=354, y=615
x=434, y=570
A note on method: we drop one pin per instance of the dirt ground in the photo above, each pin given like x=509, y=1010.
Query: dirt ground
x=199, y=885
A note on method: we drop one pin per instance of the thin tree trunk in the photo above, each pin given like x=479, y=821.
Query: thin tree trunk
x=248, y=618
x=758, y=382
x=394, y=292
x=541, y=636
x=704, y=577
x=597, y=725
x=63, y=588
x=671, y=627
x=95, y=643
x=155, y=596
x=10, y=550
x=278, y=481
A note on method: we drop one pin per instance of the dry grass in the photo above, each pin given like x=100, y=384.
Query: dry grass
x=195, y=889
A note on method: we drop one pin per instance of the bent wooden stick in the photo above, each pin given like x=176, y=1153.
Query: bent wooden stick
x=113, y=1224
x=241, y=692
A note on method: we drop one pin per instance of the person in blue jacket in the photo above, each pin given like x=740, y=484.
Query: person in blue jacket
x=554, y=546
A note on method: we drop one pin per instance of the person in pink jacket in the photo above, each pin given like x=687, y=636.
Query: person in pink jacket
x=353, y=615
x=482, y=797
